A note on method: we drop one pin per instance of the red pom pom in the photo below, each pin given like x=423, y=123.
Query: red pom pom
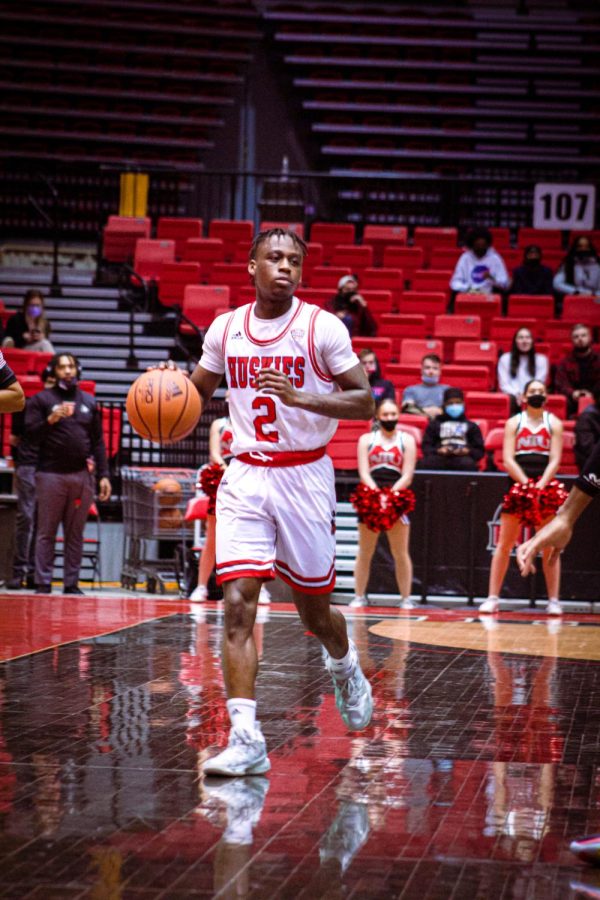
x=552, y=498
x=210, y=476
x=380, y=509
x=522, y=501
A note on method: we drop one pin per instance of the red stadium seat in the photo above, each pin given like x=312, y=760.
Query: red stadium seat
x=111, y=428
x=343, y=446
x=419, y=423
x=487, y=405
x=317, y=296
x=429, y=237
x=329, y=234
x=550, y=238
x=200, y=302
x=478, y=353
x=379, y=303
x=327, y=277
x=356, y=258
x=178, y=230
x=381, y=347
x=206, y=251
x=399, y=327
x=494, y=445
x=445, y=258
x=583, y=403
x=379, y=237
x=296, y=227
x=557, y=404
x=120, y=236
x=467, y=378
x=568, y=465
x=173, y=279
x=231, y=232
x=408, y=259
x=234, y=275
x=402, y=375
x=384, y=280
x=88, y=386
x=413, y=350
x=525, y=306
x=426, y=303
x=501, y=238
x=555, y=331
x=449, y=329
x=502, y=331
x=432, y=280
x=413, y=430
x=484, y=427
x=581, y=309
x=20, y=361
x=313, y=258
x=486, y=306
x=150, y=255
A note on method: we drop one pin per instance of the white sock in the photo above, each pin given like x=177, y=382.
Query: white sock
x=346, y=665
x=242, y=713
x=492, y=596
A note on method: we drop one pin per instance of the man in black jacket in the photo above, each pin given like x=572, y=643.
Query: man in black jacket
x=587, y=430
x=451, y=441
x=65, y=423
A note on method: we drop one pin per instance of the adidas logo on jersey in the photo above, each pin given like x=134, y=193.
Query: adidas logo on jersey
x=237, y=336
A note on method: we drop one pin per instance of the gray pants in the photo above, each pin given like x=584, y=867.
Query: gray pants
x=25, y=487
x=62, y=499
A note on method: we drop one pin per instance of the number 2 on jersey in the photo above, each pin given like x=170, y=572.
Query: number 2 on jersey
x=268, y=418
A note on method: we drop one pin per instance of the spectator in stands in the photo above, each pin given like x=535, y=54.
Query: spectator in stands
x=578, y=374
x=579, y=272
x=532, y=277
x=65, y=422
x=426, y=398
x=451, y=441
x=480, y=269
x=29, y=328
x=587, y=430
x=519, y=366
x=25, y=458
x=386, y=458
x=381, y=388
x=351, y=307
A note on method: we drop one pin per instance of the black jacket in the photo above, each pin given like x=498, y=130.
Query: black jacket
x=533, y=280
x=66, y=446
x=458, y=432
x=587, y=434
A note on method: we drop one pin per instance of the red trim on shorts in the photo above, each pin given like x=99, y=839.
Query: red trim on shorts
x=312, y=353
x=244, y=562
x=284, y=458
x=288, y=569
x=245, y=573
x=304, y=588
x=277, y=337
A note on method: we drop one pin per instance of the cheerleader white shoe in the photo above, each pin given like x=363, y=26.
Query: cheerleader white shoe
x=490, y=606
x=357, y=602
x=553, y=608
x=199, y=594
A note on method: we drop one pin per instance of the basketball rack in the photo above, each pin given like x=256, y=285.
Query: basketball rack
x=155, y=530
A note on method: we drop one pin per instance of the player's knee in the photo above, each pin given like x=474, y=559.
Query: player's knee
x=240, y=607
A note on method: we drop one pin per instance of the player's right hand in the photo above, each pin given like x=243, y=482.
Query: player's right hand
x=555, y=534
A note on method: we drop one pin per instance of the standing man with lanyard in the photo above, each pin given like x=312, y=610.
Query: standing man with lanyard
x=291, y=373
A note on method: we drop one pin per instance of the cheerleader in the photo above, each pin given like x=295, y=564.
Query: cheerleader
x=386, y=458
x=532, y=449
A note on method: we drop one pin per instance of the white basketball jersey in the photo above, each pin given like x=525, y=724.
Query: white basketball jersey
x=309, y=345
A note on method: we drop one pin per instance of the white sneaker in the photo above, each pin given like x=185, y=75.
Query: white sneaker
x=553, y=608
x=245, y=754
x=347, y=833
x=199, y=594
x=357, y=602
x=353, y=697
x=408, y=603
x=264, y=598
x=491, y=605
x=243, y=800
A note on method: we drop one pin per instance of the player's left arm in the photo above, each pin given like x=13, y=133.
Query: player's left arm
x=12, y=398
x=556, y=445
x=353, y=401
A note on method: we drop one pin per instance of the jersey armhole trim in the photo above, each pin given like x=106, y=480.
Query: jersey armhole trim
x=312, y=351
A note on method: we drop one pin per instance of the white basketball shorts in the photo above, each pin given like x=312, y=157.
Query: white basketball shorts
x=278, y=521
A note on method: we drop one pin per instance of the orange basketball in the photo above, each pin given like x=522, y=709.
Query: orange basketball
x=169, y=491
x=163, y=405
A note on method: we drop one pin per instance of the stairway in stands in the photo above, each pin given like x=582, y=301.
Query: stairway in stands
x=87, y=321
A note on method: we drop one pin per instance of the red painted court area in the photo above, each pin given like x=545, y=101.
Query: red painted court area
x=478, y=769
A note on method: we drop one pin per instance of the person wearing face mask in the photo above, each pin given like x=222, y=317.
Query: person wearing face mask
x=65, y=424
x=532, y=448
x=480, y=269
x=29, y=328
x=381, y=388
x=386, y=458
x=579, y=272
x=578, y=373
x=426, y=398
x=451, y=441
x=519, y=365
x=532, y=277
x=350, y=306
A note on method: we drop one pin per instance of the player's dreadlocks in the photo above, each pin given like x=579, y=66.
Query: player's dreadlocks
x=263, y=236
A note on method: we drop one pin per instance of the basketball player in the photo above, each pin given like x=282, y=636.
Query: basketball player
x=291, y=373
x=12, y=398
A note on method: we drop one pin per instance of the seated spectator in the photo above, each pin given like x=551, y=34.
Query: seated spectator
x=587, y=430
x=351, y=307
x=520, y=365
x=451, y=441
x=578, y=374
x=480, y=269
x=426, y=398
x=531, y=277
x=579, y=272
x=381, y=388
x=29, y=328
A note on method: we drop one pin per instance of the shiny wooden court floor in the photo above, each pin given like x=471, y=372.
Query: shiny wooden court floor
x=480, y=765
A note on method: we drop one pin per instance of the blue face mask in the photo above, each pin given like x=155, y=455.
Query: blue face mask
x=430, y=379
x=455, y=410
